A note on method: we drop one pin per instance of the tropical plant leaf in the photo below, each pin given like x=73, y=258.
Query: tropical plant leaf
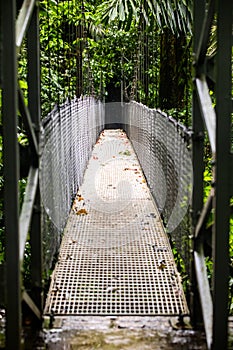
x=176, y=15
x=122, y=12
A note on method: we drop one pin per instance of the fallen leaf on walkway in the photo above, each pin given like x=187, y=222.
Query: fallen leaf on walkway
x=125, y=153
x=178, y=291
x=162, y=264
x=55, y=289
x=82, y=212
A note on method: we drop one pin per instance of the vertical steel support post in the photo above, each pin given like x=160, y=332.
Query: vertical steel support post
x=35, y=112
x=197, y=157
x=11, y=176
x=223, y=173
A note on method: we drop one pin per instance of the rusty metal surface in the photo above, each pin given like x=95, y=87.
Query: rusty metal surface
x=115, y=256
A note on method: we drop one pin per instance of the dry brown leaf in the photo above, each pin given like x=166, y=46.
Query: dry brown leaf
x=82, y=212
x=162, y=264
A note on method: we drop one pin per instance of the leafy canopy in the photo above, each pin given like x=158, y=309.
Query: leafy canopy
x=173, y=14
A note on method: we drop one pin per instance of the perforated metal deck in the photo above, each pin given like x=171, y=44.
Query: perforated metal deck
x=115, y=257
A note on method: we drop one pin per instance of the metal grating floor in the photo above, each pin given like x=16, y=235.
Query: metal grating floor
x=115, y=258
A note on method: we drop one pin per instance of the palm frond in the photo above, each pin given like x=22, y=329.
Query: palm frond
x=176, y=15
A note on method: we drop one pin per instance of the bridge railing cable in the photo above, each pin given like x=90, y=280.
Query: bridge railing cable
x=163, y=149
x=69, y=133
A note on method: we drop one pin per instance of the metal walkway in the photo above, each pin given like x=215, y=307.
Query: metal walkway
x=115, y=258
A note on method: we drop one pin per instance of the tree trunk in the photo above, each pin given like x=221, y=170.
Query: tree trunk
x=173, y=72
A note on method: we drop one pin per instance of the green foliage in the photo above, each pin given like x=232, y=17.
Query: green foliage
x=105, y=43
x=175, y=15
x=111, y=58
x=182, y=269
x=65, y=27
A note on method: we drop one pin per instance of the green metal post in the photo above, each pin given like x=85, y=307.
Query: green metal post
x=11, y=176
x=197, y=157
x=34, y=108
x=223, y=173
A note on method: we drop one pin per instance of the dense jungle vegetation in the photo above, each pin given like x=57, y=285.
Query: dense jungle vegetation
x=116, y=50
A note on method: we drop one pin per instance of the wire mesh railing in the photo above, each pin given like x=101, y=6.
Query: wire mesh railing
x=69, y=132
x=163, y=148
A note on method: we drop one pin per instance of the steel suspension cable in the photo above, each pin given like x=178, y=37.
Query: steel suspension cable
x=49, y=54
x=58, y=87
x=134, y=86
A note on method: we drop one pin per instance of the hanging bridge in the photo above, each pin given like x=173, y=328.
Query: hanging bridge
x=117, y=190
x=115, y=256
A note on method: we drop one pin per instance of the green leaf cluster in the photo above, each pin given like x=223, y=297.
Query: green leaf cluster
x=176, y=15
